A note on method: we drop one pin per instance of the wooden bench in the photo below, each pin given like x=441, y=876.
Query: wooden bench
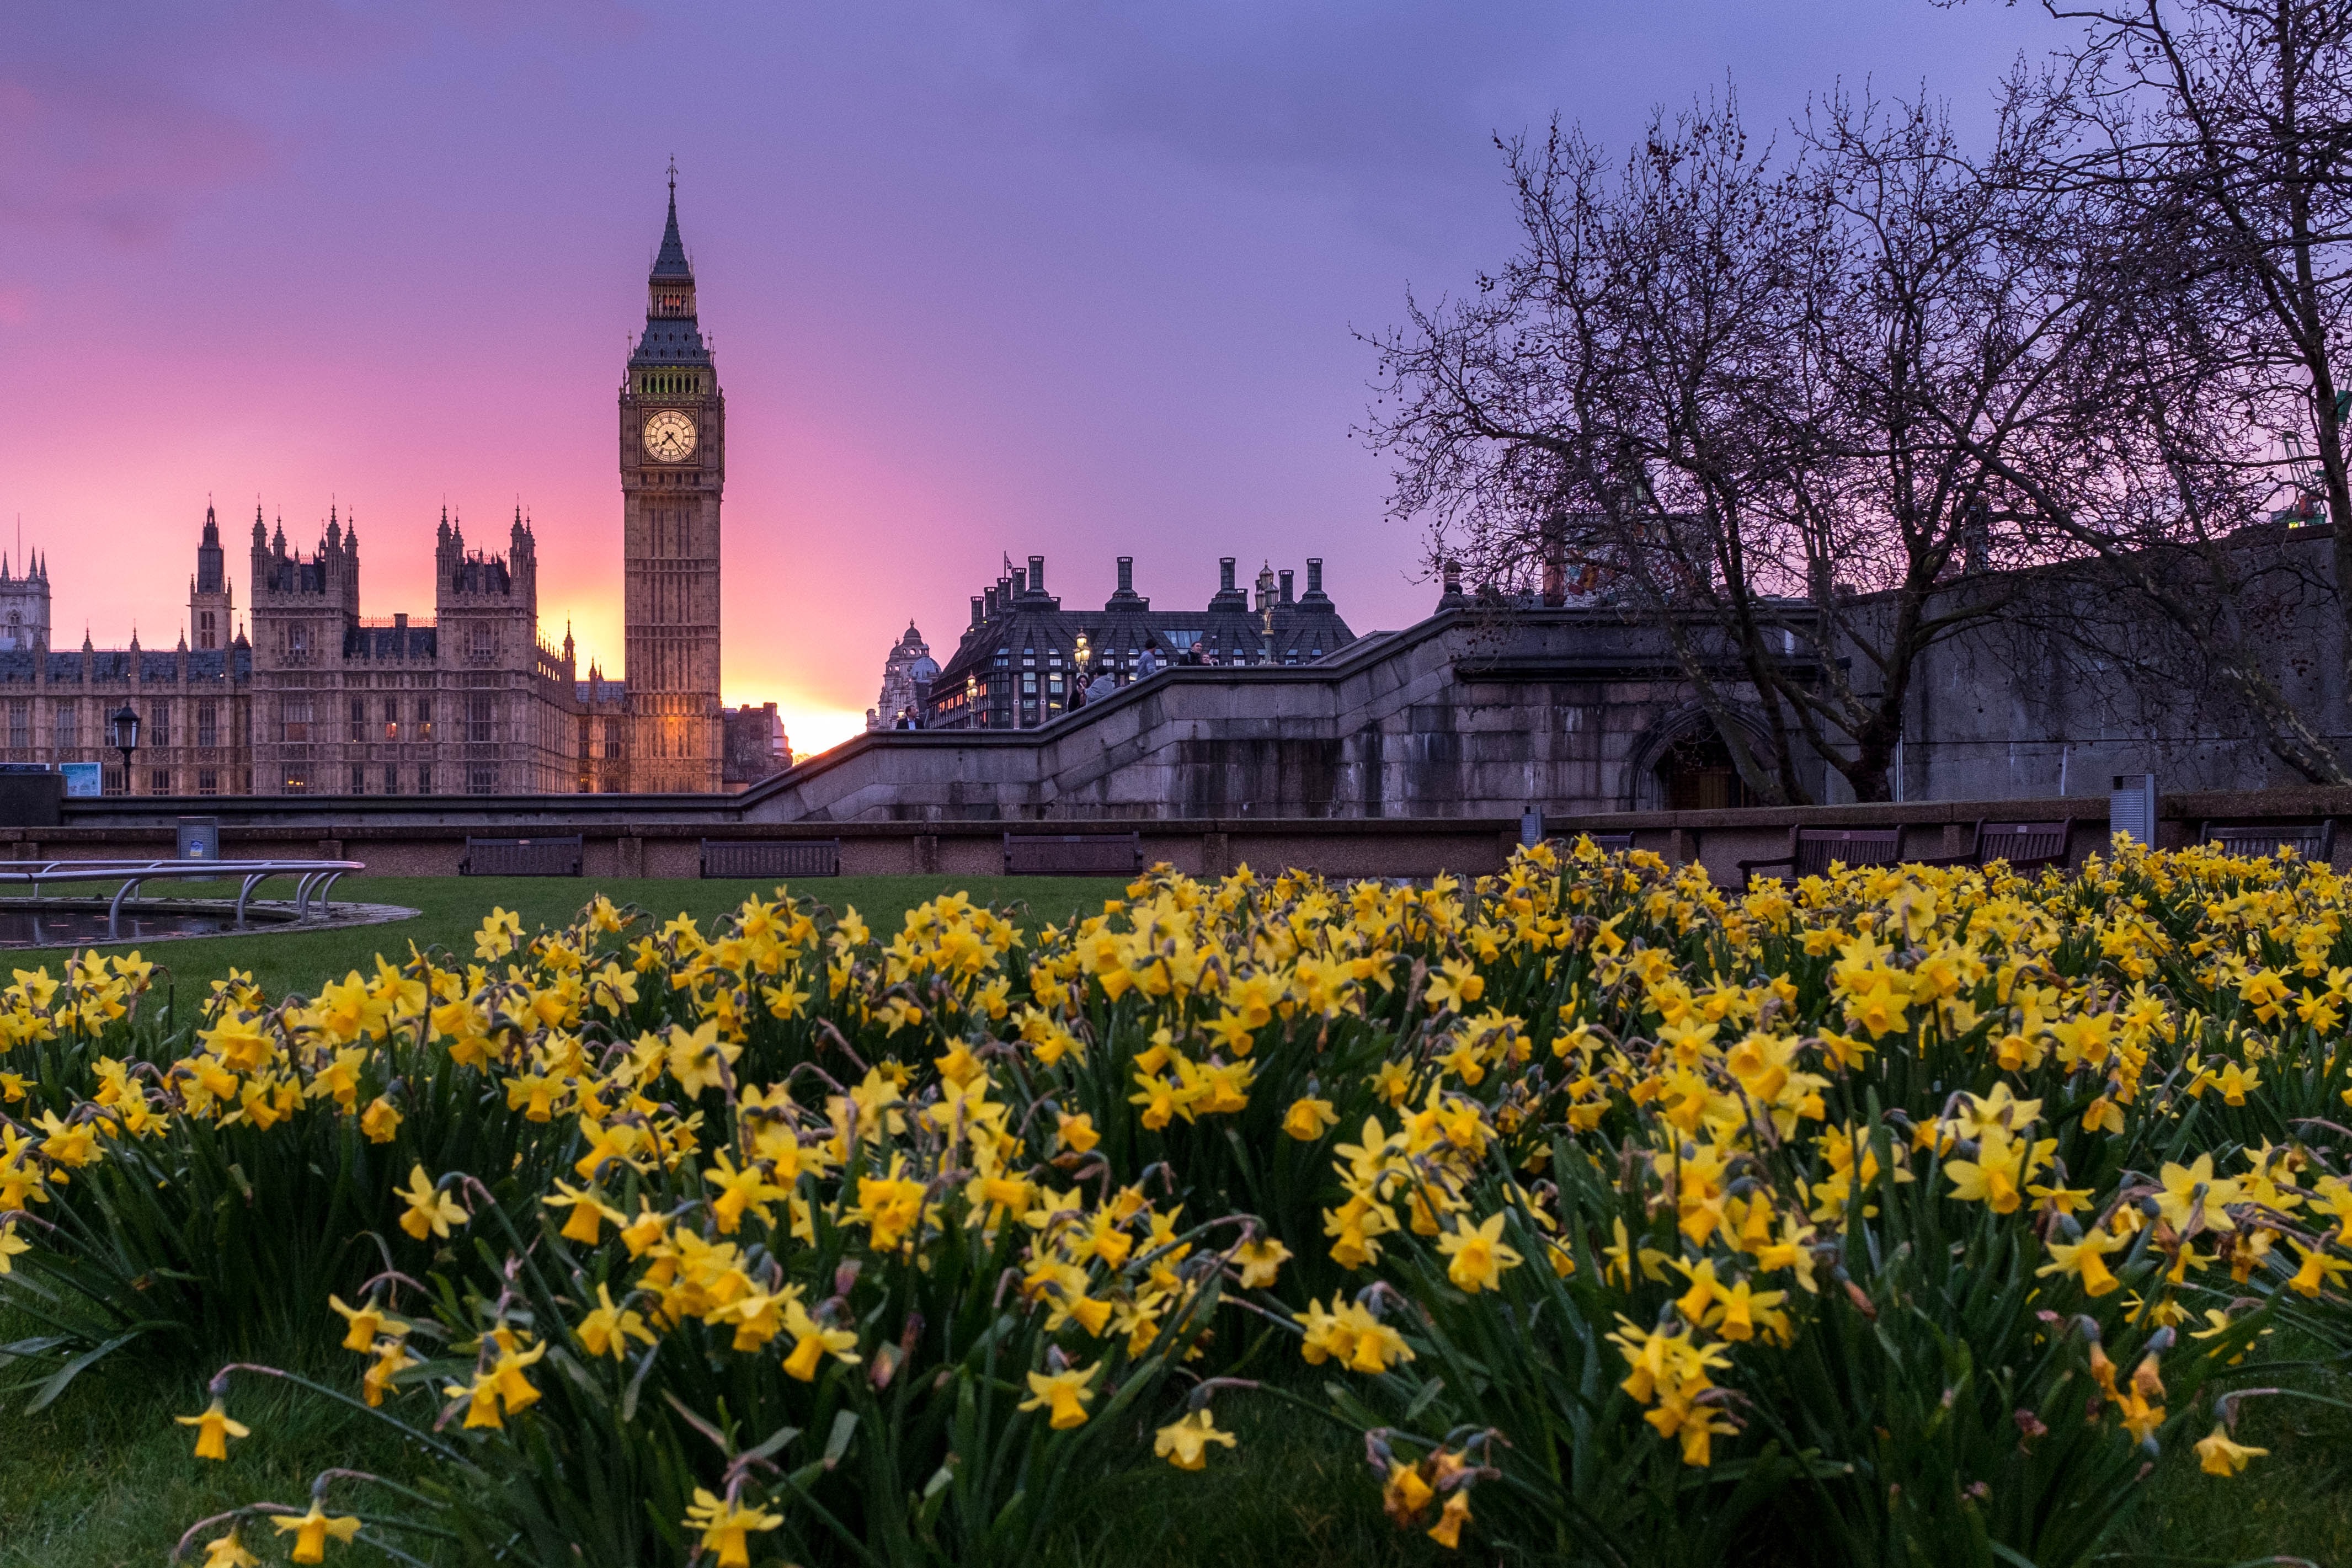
x=1073, y=853
x=552, y=856
x=1811, y=850
x=764, y=858
x=2314, y=841
x=2025, y=846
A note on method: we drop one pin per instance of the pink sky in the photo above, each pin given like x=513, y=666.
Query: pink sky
x=1009, y=276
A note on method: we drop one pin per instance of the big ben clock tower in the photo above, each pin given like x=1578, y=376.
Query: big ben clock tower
x=673, y=468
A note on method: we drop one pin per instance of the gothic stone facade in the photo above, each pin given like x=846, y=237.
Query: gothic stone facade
x=673, y=432
x=194, y=704
x=470, y=700
x=477, y=702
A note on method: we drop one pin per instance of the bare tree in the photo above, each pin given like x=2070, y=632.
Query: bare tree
x=1756, y=397
x=1588, y=415
x=2136, y=481
x=2208, y=156
x=2194, y=183
x=2228, y=125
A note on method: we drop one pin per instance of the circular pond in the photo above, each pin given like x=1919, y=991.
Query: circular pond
x=72, y=928
x=83, y=922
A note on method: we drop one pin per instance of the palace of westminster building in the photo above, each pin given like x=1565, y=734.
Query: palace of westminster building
x=318, y=700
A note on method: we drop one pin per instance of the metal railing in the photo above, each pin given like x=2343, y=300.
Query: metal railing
x=314, y=878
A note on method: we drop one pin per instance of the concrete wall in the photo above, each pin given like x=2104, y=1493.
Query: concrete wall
x=1206, y=847
x=1460, y=716
x=1343, y=846
x=2073, y=684
x=1450, y=728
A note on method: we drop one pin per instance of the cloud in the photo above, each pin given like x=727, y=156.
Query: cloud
x=1355, y=96
x=122, y=122
x=1330, y=84
x=124, y=157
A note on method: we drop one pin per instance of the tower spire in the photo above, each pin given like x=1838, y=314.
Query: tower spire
x=671, y=339
x=670, y=262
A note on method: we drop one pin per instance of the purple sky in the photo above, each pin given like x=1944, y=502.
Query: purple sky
x=1006, y=275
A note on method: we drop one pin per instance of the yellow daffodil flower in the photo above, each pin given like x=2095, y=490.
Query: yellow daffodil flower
x=1185, y=1443
x=214, y=1429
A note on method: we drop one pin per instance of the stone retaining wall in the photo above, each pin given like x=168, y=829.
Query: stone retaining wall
x=410, y=843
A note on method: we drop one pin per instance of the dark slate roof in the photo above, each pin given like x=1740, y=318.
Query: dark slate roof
x=597, y=693
x=16, y=666
x=391, y=642
x=481, y=575
x=291, y=574
x=670, y=340
x=672, y=262
x=1303, y=632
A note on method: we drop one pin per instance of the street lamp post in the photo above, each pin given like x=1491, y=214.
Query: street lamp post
x=124, y=724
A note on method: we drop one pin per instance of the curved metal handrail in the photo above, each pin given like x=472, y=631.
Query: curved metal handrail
x=313, y=877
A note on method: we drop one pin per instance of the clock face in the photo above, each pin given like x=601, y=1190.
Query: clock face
x=669, y=437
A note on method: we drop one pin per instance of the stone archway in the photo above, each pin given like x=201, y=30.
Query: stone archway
x=1683, y=764
x=1697, y=774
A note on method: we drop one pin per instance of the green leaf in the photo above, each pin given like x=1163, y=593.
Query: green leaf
x=34, y=1346
x=783, y=1435
x=836, y=1442
x=57, y=1381
x=637, y=1384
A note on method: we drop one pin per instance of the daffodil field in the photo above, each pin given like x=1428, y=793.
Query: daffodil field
x=1908, y=1215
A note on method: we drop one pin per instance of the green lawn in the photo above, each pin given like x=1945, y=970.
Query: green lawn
x=452, y=907
x=104, y=1479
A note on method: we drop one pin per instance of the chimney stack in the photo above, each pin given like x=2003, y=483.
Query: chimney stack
x=1126, y=597
x=1228, y=597
x=1036, y=573
x=991, y=597
x=1315, y=580
x=1019, y=581
x=1285, y=588
x=976, y=604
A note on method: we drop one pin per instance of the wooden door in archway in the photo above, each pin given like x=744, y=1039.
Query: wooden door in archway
x=1696, y=775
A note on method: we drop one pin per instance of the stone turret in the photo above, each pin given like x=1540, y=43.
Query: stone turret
x=211, y=600
x=24, y=606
